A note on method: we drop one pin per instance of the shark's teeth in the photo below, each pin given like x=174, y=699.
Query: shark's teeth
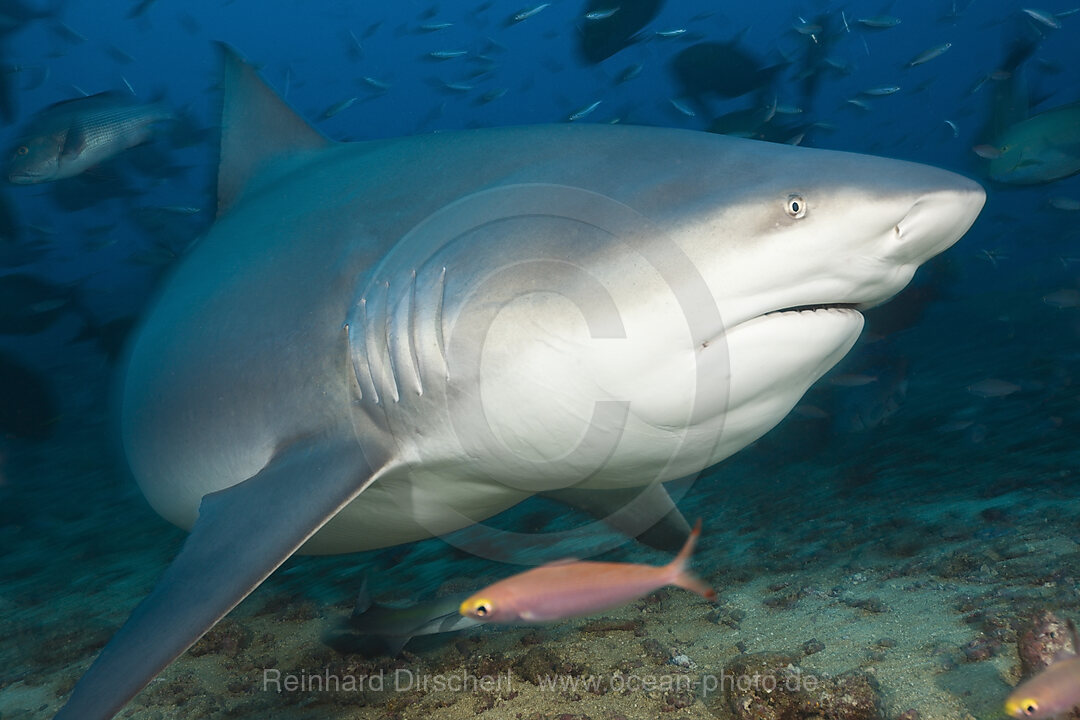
x=847, y=307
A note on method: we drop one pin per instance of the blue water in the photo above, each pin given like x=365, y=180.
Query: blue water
x=901, y=433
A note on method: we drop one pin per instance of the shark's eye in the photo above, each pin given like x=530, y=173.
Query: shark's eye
x=795, y=206
x=22, y=150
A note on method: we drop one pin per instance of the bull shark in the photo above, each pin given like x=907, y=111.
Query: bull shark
x=383, y=341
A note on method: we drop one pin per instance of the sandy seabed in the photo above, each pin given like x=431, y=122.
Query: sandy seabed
x=909, y=556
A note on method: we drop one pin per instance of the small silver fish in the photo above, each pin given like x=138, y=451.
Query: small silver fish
x=376, y=84
x=993, y=388
x=987, y=152
x=587, y=110
x=676, y=32
x=526, y=14
x=882, y=91
x=180, y=209
x=600, y=14
x=447, y=54
x=1044, y=17
x=682, y=107
x=806, y=28
x=338, y=107
x=1064, y=203
x=72, y=136
x=930, y=54
x=492, y=95
x=630, y=72
x=880, y=22
x=1061, y=299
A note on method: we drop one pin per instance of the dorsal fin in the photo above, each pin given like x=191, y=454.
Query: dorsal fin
x=257, y=127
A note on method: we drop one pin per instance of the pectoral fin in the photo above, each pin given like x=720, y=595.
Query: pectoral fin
x=242, y=535
x=647, y=513
x=74, y=142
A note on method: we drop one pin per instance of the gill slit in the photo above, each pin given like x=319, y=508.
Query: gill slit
x=387, y=325
x=440, y=340
x=365, y=326
x=411, y=339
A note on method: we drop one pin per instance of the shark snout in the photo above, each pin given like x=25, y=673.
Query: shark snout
x=937, y=219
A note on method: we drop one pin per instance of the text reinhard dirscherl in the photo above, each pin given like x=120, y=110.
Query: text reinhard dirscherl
x=403, y=679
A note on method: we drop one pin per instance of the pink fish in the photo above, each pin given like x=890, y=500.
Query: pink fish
x=570, y=587
x=1050, y=693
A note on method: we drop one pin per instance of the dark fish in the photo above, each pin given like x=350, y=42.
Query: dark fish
x=29, y=304
x=15, y=14
x=857, y=406
x=7, y=90
x=119, y=55
x=68, y=34
x=9, y=226
x=630, y=73
x=28, y=407
x=140, y=7
x=1041, y=149
x=758, y=124
x=910, y=307
x=68, y=138
x=90, y=189
x=723, y=69
x=602, y=38
x=111, y=336
x=391, y=628
x=740, y=123
x=13, y=256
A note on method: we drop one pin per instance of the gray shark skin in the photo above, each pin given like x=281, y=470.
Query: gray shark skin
x=383, y=341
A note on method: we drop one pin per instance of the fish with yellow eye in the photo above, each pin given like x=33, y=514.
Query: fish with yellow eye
x=1041, y=149
x=1052, y=692
x=570, y=588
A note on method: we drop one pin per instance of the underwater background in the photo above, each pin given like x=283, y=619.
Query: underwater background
x=900, y=534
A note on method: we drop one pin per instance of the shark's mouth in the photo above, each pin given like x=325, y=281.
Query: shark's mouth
x=853, y=307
